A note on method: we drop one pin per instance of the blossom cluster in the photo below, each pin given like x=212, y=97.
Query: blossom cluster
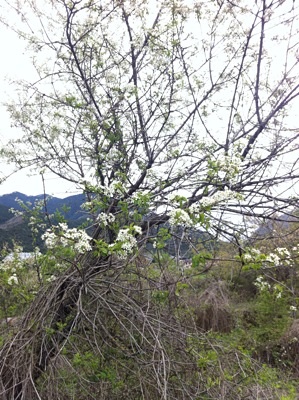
x=12, y=261
x=16, y=212
x=276, y=258
x=229, y=166
x=35, y=224
x=87, y=205
x=141, y=198
x=13, y=279
x=284, y=255
x=261, y=284
x=180, y=217
x=214, y=199
x=176, y=198
x=78, y=239
x=13, y=264
x=252, y=255
x=273, y=259
x=127, y=241
x=112, y=190
x=15, y=260
x=106, y=219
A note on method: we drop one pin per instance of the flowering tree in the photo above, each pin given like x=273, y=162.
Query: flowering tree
x=161, y=112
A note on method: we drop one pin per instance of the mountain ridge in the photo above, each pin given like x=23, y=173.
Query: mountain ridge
x=15, y=229
x=73, y=203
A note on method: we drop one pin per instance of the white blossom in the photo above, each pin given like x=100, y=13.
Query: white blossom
x=283, y=252
x=137, y=229
x=247, y=257
x=293, y=308
x=139, y=195
x=261, y=284
x=172, y=196
x=88, y=205
x=180, y=217
x=256, y=252
x=273, y=258
x=16, y=212
x=13, y=279
x=5, y=266
x=106, y=219
x=229, y=166
x=253, y=255
x=112, y=190
x=50, y=239
x=128, y=242
x=78, y=239
x=51, y=278
x=216, y=198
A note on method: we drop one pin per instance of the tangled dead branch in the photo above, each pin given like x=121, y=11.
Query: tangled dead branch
x=40, y=336
x=98, y=332
x=100, y=304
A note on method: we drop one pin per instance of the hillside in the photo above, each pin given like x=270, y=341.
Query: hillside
x=4, y=213
x=13, y=229
x=73, y=204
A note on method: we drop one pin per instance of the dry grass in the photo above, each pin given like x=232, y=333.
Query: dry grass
x=211, y=308
x=290, y=347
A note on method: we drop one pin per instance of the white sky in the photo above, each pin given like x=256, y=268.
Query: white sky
x=16, y=65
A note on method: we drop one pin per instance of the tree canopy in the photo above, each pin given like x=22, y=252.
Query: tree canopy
x=164, y=98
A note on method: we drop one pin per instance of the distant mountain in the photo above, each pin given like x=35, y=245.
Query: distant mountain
x=283, y=221
x=17, y=232
x=72, y=203
x=13, y=229
x=11, y=223
x=9, y=200
x=4, y=213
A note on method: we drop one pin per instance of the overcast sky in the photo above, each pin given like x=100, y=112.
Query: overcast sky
x=15, y=64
